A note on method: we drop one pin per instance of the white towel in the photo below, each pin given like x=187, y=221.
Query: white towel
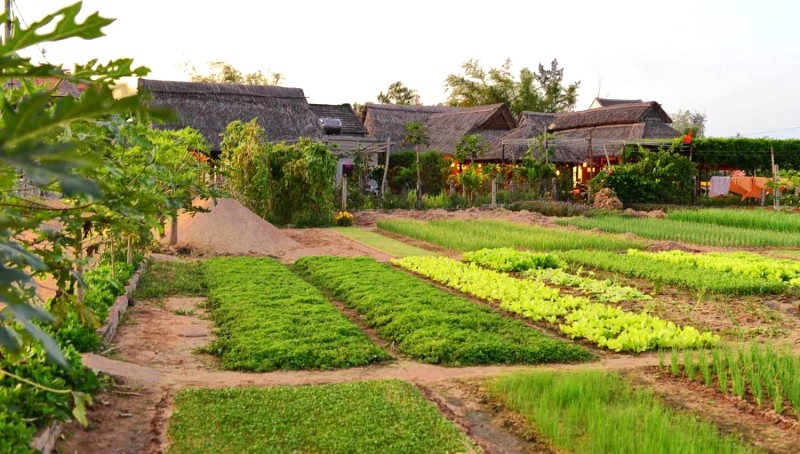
x=719, y=186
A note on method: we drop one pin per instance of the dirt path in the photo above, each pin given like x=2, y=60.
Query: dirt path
x=327, y=242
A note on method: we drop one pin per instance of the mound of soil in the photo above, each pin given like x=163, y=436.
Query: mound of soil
x=670, y=246
x=229, y=228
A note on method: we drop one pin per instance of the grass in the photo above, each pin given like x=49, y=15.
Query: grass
x=682, y=275
x=598, y=412
x=430, y=324
x=267, y=318
x=687, y=232
x=381, y=242
x=364, y=417
x=480, y=234
x=165, y=278
x=762, y=219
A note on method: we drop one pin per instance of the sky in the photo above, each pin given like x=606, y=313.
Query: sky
x=737, y=61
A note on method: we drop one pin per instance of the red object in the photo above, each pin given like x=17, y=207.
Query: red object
x=687, y=139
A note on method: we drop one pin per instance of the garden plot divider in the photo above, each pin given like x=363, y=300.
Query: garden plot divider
x=47, y=437
x=117, y=310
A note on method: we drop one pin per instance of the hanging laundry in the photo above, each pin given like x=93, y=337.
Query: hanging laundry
x=749, y=186
x=720, y=186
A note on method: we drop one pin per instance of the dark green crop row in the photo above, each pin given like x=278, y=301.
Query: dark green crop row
x=681, y=275
x=429, y=324
x=268, y=319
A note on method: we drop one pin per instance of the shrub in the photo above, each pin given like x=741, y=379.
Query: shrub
x=552, y=208
x=661, y=177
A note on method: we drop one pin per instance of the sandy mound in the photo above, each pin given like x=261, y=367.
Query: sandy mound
x=229, y=229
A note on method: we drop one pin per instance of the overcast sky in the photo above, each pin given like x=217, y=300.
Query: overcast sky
x=738, y=61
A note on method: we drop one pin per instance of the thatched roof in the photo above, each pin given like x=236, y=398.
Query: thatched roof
x=389, y=120
x=351, y=124
x=608, y=102
x=614, y=115
x=446, y=129
x=608, y=128
x=531, y=125
x=209, y=107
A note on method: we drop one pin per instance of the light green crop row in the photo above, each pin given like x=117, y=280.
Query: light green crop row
x=606, y=326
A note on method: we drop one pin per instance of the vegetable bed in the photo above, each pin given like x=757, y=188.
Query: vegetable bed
x=378, y=416
x=429, y=324
x=484, y=233
x=683, y=275
x=598, y=412
x=268, y=319
x=607, y=326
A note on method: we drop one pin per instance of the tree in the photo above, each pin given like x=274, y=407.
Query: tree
x=470, y=146
x=417, y=134
x=398, y=93
x=225, y=73
x=542, y=91
x=686, y=120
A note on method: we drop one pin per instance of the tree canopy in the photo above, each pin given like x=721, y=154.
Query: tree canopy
x=398, y=93
x=540, y=91
x=225, y=73
x=687, y=120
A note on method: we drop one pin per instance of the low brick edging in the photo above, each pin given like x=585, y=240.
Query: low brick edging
x=47, y=437
x=117, y=310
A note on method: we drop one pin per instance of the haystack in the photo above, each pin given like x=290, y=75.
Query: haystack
x=607, y=199
x=229, y=228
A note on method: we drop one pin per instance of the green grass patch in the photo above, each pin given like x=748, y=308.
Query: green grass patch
x=483, y=233
x=429, y=324
x=687, y=232
x=762, y=219
x=598, y=412
x=682, y=275
x=380, y=242
x=364, y=417
x=165, y=278
x=267, y=318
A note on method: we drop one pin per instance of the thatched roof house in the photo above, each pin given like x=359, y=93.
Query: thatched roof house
x=608, y=102
x=510, y=147
x=446, y=129
x=576, y=135
x=446, y=125
x=387, y=121
x=603, y=131
x=351, y=124
x=209, y=107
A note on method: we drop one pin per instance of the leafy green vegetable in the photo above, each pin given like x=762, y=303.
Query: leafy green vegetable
x=508, y=259
x=364, y=417
x=268, y=319
x=429, y=324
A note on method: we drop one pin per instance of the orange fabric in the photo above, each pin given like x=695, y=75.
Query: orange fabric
x=749, y=186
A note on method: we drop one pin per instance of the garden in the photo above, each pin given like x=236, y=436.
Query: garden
x=551, y=328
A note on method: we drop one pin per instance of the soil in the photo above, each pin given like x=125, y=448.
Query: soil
x=370, y=218
x=228, y=229
x=312, y=242
x=770, y=436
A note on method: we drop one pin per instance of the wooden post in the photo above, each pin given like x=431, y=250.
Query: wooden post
x=763, y=196
x=79, y=269
x=130, y=250
x=777, y=194
x=173, y=233
x=555, y=188
x=452, y=187
x=113, y=259
x=344, y=193
x=386, y=167
x=494, y=192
